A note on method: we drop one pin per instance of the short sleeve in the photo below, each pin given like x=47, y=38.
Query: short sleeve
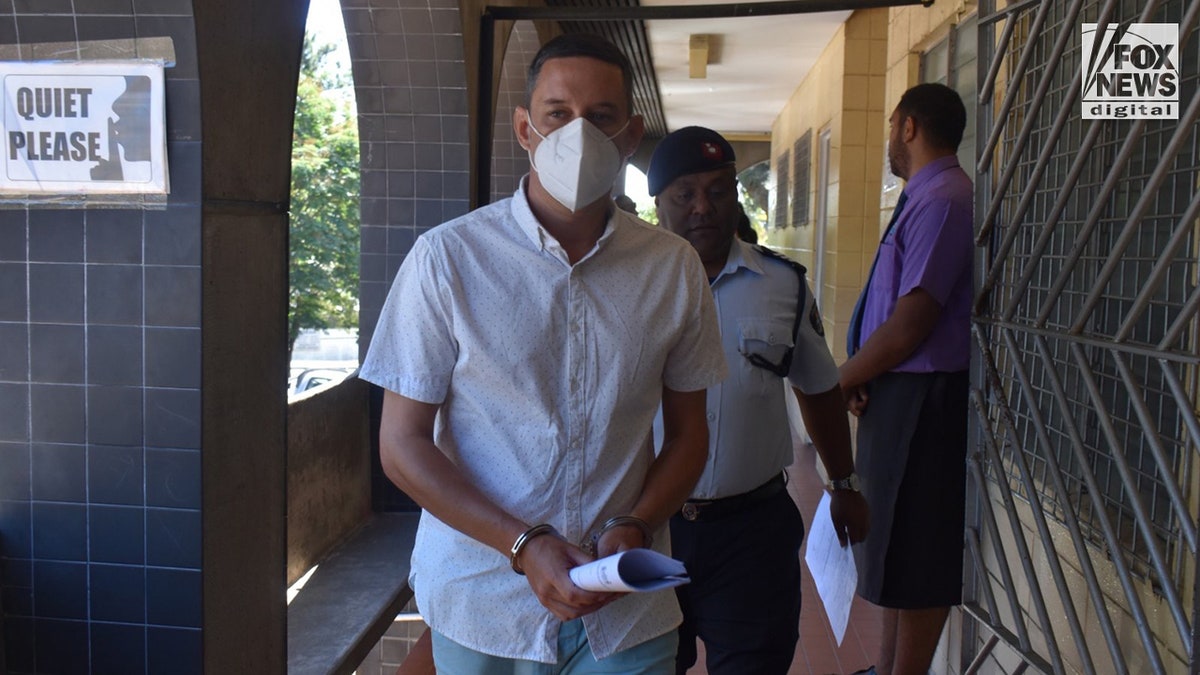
x=813, y=369
x=698, y=360
x=413, y=351
x=936, y=249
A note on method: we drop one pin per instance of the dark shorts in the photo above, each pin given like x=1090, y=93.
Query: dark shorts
x=912, y=460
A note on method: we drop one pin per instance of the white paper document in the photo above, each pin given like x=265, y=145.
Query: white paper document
x=832, y=569
x=638, y=569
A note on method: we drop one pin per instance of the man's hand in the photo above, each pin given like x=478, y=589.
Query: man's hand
x=856, y=399
x=620, y=538
x=547, y=562
x=850, y=515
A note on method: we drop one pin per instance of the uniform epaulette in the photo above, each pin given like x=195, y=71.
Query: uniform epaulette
x=776, y=255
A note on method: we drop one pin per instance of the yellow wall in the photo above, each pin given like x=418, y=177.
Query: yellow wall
x=844, y=92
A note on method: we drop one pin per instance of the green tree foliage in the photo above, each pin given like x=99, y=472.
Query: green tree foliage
x=323, y=289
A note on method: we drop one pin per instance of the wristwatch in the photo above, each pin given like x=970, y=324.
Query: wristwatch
x=848, y=483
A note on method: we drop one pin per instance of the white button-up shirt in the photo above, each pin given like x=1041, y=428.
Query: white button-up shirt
x=548, y=375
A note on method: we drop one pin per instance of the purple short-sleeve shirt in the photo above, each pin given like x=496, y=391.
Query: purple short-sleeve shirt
x=930, y=247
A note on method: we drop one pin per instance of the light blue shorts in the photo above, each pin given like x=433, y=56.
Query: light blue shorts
x=654, y=657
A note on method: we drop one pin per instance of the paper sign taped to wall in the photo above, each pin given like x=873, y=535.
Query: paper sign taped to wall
x=83, y=127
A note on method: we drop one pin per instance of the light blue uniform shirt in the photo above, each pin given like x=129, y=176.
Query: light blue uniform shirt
x=749, y=438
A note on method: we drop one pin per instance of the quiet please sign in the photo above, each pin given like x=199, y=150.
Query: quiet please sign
x=83, y=127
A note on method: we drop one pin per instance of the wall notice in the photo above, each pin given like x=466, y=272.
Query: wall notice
x=83, y=127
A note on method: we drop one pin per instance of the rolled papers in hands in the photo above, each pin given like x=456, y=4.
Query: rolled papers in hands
x=638, y=569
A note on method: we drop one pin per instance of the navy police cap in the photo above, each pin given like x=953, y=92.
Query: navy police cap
x=686, y=151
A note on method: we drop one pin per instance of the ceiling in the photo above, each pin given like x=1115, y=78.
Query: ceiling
x=755, y=64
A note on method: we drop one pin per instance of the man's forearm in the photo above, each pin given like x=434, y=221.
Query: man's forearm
x=414, y=464
x=894, y=341
x=672, y=477
x=674, y=473
x=825, y=419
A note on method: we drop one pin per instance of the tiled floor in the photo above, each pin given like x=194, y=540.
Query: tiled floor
x=818, y=653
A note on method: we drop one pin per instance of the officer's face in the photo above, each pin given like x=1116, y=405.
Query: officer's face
x=702, y=208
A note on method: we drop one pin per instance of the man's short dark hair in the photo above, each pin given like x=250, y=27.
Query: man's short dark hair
x=580, y=44
x=938, y=111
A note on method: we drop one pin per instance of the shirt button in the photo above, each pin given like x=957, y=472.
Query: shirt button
x=712, y=416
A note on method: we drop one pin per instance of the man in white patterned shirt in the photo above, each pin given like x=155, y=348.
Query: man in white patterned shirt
x=525, y=349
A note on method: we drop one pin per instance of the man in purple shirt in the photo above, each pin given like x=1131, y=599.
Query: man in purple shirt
x=906, y=380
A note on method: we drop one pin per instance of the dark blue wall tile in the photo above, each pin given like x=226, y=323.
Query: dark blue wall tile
x=183, y=159
x=118, y=649
x=15, y=467
x=18, y=641
x=114, y=415
x=173, y=478
x=62, y=646
x=173, y=538
x=16, y=537
x=18, y=586
x=114, y=355
x=59, y=533
x=12, y=235
x=56, y=354
x=173, y=236
x=118, y=593
x=56, y=293
x=173, y=418
x=14, y=356
x=115, y=475
x=117, y=534
x=14, y=412
x=173, y=296
x=46, y=28
x=106, y=28
x=114, y=236
x=41, y=7
x=173, y=651
x=173, y=357
x=14, y=294
x=163, y=7
x=175, y=21
x=183, y=115
x=173, y=597
x=122, y=7
x=57, y=413
x=114, y=294
x=55, y=236
x=59, y=472
x=61, y=590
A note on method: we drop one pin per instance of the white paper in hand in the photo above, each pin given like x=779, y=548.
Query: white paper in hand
x=832, y=568
x=638, y=569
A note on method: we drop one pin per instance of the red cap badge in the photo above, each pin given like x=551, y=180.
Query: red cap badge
x=710, y=150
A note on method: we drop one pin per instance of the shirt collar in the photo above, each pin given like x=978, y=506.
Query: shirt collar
x=741, y=255
x=927, y=172
x=541, y=239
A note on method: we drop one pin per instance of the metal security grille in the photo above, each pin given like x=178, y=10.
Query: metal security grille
x=1082, y=550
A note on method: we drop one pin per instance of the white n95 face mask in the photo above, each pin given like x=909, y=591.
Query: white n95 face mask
x=577, y=163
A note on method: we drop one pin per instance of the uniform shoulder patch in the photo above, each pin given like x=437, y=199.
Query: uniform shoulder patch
x=814, y=317
x=776, y=255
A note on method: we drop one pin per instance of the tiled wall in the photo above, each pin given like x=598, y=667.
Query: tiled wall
x=509, y=160
x=410, y=83
x=413, y=126
x=100, y=394
x=844, y=94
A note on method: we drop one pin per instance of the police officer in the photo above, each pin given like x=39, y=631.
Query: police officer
x=740, y=532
